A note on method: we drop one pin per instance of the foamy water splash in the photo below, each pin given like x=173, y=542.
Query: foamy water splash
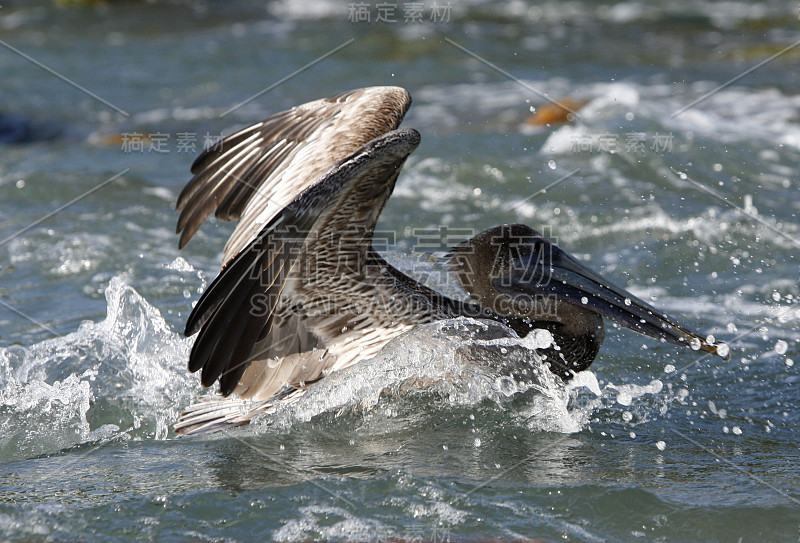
x=130, y=367
x=126, y=376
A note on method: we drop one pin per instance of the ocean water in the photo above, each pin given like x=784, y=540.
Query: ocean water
x=677, y=179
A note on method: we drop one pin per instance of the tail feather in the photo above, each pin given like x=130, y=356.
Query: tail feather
x=213, y=414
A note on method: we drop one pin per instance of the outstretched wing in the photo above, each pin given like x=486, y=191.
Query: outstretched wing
x=253, y=174
x=285, y=299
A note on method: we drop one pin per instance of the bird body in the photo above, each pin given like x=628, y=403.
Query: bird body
x=302, y=292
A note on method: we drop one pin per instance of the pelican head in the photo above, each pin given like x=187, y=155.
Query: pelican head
x=514, y=271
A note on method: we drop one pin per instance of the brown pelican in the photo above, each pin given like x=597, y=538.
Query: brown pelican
x=302, y=292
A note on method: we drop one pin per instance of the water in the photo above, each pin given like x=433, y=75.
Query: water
x=653, y=443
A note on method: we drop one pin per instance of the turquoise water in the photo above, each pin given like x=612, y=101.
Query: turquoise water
x=652, y=443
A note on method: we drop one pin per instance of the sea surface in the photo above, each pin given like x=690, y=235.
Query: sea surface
x=677, y=179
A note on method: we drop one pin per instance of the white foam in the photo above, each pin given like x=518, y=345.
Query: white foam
x=64, y=257
x=37, y=416
x=587, y=380
x=134, y=364
x=462, y=362
x=131, y=362
x=315, y=9
x=180, y=265
x=731, y=114
x=331, y=523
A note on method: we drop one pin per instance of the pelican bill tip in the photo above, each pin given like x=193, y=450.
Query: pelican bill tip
x=718, y=348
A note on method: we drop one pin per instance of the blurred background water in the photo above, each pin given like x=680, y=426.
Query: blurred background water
x=683, y=188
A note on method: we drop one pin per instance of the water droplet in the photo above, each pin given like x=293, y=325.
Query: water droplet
x=584, y=300
x=723, y=350
x=627, y=416
x=660, y=445
x=789, y=362
x=669, y=368
x=633, y=435
x=444, y=447
x=624, y=398
x=736, y=430
x=732, y=327
x=551, y=164
x=710, y=339
x=627, y=301
x=781, y=346
x=21, y=184
x=776, y=296
x=695, y=344
x=506, y=385
x=477, y=442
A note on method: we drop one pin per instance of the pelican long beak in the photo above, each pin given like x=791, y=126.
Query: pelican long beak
x=551, y=271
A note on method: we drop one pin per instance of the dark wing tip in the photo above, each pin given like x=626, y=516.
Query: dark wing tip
x=200, y=162
x=229, y=379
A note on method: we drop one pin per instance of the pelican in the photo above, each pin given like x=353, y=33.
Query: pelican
x=303, y=293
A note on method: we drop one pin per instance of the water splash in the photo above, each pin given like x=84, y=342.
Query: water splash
x=127, y=375
x=127, y=371
x=448, y=365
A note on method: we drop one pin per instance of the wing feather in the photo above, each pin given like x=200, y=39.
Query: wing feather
x=217, y=186
x=213, y=152
x=309, y=139
x=201, y=182
x=233, y=335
